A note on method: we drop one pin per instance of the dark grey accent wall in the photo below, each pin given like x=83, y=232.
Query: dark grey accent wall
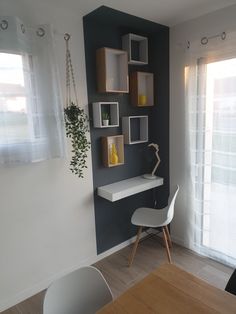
x=104, y=27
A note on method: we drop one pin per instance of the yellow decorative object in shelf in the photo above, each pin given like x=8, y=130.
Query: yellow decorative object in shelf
x=142, y=100
x=113, y=155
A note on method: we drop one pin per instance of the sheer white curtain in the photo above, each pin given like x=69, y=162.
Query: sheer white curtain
x=31, y=110
x=210, y=77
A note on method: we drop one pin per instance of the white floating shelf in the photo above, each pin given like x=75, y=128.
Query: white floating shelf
x=118, y=190
x=137, y=48
x=110, y=108
x=135, y=129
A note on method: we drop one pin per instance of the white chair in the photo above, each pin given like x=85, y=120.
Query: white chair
x=154, y=218
x=84, y=291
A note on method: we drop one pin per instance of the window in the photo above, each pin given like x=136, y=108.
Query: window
x=31, y=111
x=211, y=92
x=16, y=124
x=219, y=190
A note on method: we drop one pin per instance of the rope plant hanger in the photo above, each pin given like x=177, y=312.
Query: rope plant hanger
x=76, y=120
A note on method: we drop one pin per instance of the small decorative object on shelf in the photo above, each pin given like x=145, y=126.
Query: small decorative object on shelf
x=113, y=150
x=137, y=48
x=114, y=159
x=152, y=175
x=76, y=121
x=105, y=119
x=112, y=71
x=105, y=111
x=142, y=100
x=135, y=129
x=141, y=89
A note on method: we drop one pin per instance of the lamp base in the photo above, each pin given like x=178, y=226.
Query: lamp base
x=149, y=176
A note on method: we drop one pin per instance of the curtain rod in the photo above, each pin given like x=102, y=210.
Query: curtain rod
x=205, y=39
x=40, y=31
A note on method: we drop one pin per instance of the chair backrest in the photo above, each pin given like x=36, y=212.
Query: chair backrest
x=83, y=291
x=231, y=285
x=171, y=204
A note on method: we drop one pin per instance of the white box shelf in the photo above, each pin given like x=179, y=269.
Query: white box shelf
x=110, y=108
x=137, y=48
x=135, y=129
x=112, y=70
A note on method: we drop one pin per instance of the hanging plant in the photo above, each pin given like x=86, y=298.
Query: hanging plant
x=76, y=122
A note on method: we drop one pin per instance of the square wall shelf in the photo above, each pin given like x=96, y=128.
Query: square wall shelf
x=101, y=108
x=137, y=48
x=141, y=89
x=112, y=71
x=135, y=129
x=107, y=142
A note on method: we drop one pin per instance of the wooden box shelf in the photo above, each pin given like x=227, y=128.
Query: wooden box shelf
x=107, y=142
x=110, y=108
x=135, y=129
x=112, y=71
x=141, y=89
x=137, y=48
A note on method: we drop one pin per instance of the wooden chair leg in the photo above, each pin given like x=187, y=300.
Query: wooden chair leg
x=166, y=244
x=168, y=236
x=135, y=247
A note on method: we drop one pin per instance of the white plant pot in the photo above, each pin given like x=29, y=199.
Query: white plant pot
x=105, y=122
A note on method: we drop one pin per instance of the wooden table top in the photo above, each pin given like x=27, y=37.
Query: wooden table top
x=171, y=290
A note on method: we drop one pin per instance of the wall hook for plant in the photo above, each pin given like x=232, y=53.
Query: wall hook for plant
x=76, y=120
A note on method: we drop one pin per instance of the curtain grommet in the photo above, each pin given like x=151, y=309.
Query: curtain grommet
x=204, y=40
x=223, y=35
x=4, y=24
x=40, y=32
x=22, y=26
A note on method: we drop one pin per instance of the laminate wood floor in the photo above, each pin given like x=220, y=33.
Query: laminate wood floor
x=150, y=254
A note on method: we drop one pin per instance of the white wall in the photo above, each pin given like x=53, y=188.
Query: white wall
x=207, y=25
x=47, y=224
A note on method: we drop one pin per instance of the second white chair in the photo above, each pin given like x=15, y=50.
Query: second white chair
x=84, y=291
x=154, y=218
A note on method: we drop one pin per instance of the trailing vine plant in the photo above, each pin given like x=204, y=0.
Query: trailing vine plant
x=76, y=122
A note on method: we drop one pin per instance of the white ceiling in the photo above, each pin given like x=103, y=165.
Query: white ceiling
x=167, y=12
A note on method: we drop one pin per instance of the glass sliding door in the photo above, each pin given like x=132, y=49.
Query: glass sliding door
x=216, y=160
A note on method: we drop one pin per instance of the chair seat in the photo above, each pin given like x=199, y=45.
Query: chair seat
x=149, y=217
x=154, y=218
x=83, y=291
